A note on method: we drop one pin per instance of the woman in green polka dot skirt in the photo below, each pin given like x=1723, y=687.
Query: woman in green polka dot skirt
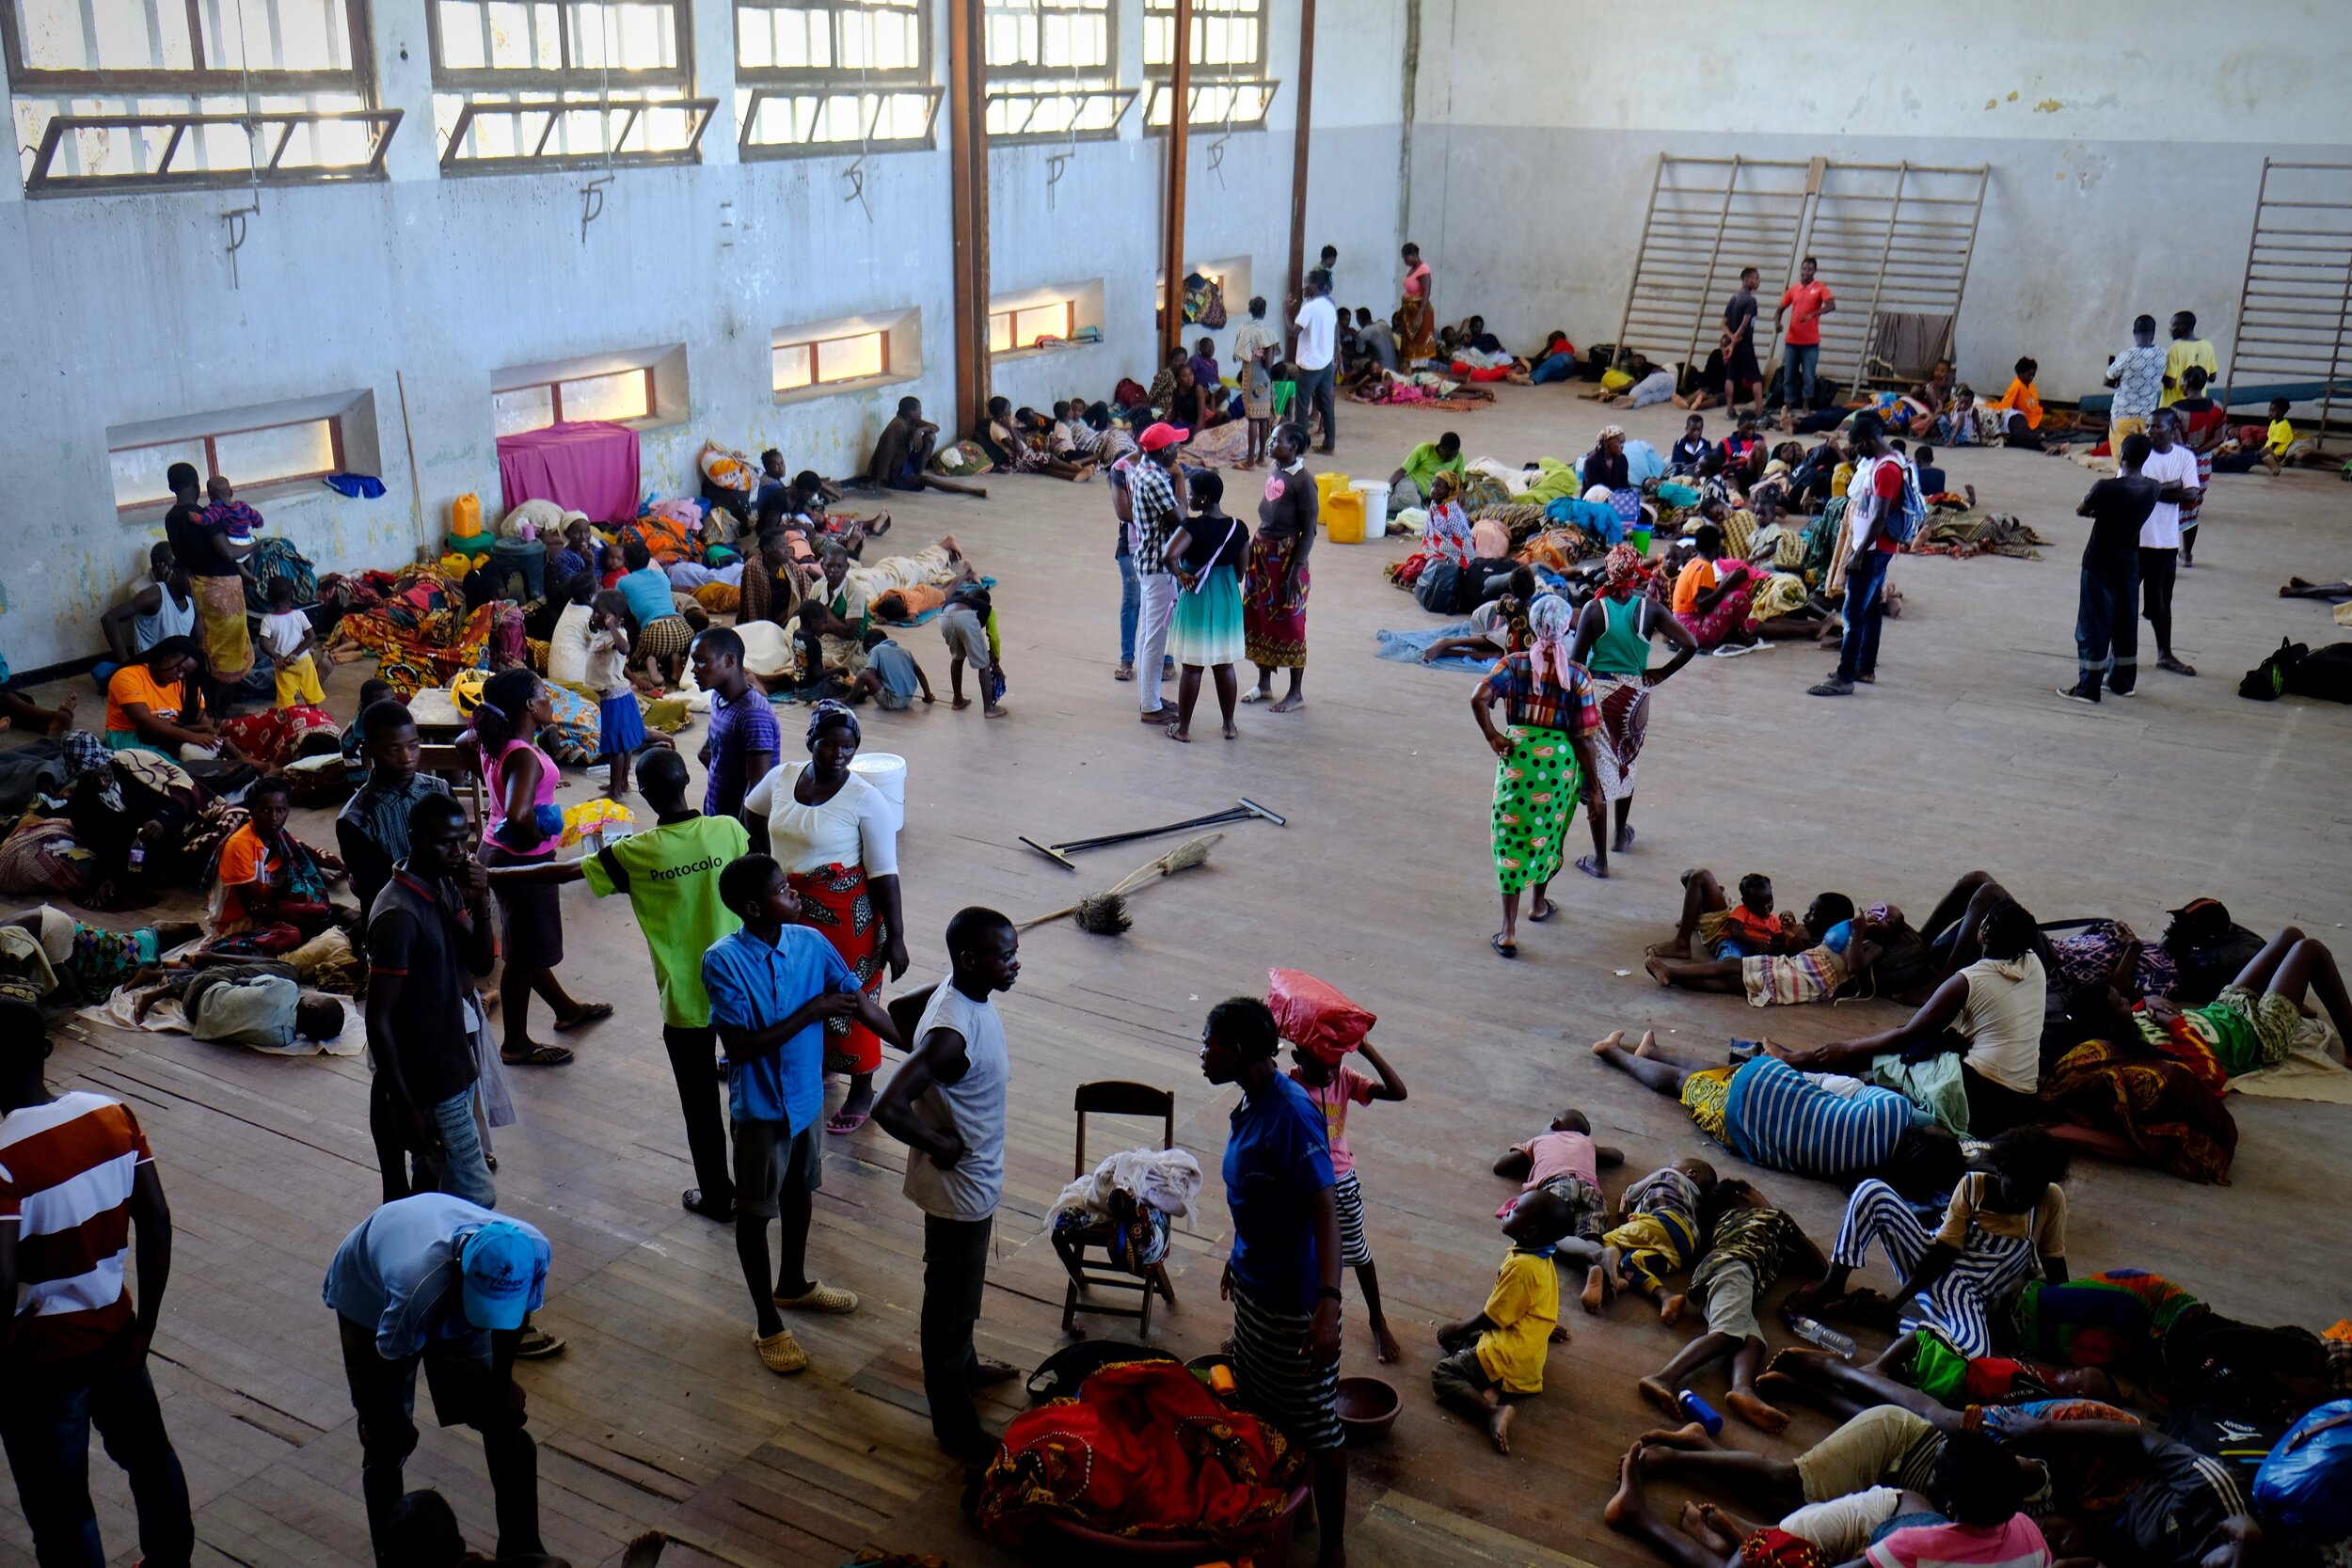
x=1545, y=762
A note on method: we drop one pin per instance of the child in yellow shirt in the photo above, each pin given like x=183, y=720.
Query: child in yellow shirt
x=1497, y=1357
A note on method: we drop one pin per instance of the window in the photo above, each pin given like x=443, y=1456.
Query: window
x=1227, y=105
x=1229, y=88
x=830, y=361
x=249, y=458
x=1052, y=71
x=832, y=76
x=1023, y=328
x=1228, y=38
x=616, y=395
x=529, y=84
x=116, y=93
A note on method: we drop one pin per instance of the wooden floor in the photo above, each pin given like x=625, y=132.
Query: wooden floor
x=660, y=1416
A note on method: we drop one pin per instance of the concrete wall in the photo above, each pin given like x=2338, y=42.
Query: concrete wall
x=2125, y=149
x=120, y=309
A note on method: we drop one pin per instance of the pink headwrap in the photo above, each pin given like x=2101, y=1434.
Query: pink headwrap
x=1622, y=572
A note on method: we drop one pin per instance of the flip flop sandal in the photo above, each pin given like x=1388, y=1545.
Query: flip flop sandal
x=1507, y=949
x=593, y=1012
x=846, y=1122
x=1591, y=867
x=1550, y=909
x=538, y=1056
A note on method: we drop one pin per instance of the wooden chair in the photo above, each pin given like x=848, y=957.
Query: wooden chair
x=1085, y=1252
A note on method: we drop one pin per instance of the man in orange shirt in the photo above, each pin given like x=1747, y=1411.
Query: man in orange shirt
x=1800, y=346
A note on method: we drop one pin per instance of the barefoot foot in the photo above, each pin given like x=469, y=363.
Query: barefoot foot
x=1626, y=1504
x=1689, y=1435
x=1648, y=1046
x=1670, y=1310
x=1655, y=1390
x=1754, y=1411
x=1656, y=969
x=1596, y=1288
x=1390, y=1351
x=1610, y=1041
x=1499, y=1428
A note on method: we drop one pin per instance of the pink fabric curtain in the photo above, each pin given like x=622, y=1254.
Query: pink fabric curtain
x=589, y=467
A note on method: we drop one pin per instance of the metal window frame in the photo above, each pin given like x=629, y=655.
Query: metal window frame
x=1203, y=70
x=43, y=183
x=359, y=77
x=334, y=423
x=918, y=74
x=454, y=160
x=752, y=150
x=816, y=378
x=1123, y=98
x=1012, y=315
x=1201, y=125
x=555, y=394
x=567, y=77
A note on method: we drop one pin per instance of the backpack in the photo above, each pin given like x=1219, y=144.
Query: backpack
x=1129, y=394
x=1903, y=521
x=1438, y=587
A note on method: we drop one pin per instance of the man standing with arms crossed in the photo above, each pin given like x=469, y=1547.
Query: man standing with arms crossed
x=946, y=1105
x=1316, y=356
x=1156, y=507
x=1801, y=345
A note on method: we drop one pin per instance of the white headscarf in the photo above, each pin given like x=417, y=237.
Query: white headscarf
x=1550, y=621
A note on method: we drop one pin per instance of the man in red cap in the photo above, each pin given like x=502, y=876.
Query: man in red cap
x=1158, y=504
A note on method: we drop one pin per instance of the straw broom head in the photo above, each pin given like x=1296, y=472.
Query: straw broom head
x=1192, y=852
x=1103, y=913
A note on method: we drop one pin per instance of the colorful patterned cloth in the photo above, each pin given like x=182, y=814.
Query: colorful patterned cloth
x=2167, y=1103
x=1274, y=610
x=835, y=901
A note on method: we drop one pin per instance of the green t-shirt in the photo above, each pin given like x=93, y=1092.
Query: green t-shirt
x=672, y=875
x=2225, y=1032
x=1423, y=463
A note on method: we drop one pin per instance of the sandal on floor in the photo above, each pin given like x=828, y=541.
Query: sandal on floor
x=538, y=1056
x=846, y=1122
x=1508, y=949
x=1550, y=909
x=1124, y=672
x=592, y=1013
x=1592, y=867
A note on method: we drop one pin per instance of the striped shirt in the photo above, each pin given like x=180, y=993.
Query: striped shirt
x=65, y=1171
x=1777, y=1116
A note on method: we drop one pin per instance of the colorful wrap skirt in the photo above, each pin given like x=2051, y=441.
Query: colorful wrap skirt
x=1536, y=786
x=835, y=901
x=1273, y=611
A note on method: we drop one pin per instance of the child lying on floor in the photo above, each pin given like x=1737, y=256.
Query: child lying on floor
x=1751, y=1244
x=1656, y=1236
x=1497, y=1357
x=1728, y=930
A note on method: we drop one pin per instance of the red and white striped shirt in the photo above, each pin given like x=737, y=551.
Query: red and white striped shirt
x=65, y=1171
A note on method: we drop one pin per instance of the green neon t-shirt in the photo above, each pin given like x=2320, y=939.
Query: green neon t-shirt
x=673, y=873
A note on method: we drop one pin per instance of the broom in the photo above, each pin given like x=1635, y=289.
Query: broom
x=1105, y=913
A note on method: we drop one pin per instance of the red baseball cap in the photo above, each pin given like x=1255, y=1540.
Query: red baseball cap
x=1155, y=437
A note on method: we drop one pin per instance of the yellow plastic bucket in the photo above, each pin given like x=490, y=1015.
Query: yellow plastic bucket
x=1343, y=517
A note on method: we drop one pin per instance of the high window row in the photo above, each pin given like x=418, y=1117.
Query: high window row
x=112, y=93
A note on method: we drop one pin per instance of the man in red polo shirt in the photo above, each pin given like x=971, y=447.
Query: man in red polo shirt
x=76, y=1180
x=1801, y=345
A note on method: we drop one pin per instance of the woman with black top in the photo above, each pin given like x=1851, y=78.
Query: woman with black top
x=1206, y=556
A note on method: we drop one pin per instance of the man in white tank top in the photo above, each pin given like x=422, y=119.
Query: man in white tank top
x=163, y=606
x=946, y=1105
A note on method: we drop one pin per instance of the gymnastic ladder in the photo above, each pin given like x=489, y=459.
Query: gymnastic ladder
x=1893, y=240
x=2296, y=304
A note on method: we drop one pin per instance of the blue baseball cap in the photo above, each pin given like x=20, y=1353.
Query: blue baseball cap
x=499, y=1263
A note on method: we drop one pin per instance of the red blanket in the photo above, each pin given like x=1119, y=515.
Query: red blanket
x=1145, y=1450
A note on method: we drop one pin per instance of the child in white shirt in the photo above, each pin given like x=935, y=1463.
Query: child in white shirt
x=620, y=727
x=286, y=636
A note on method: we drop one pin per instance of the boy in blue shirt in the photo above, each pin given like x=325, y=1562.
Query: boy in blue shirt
x=771, y=987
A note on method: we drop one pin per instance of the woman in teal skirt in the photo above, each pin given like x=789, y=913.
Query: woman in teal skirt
x=1205, y=632
x=1545, y=760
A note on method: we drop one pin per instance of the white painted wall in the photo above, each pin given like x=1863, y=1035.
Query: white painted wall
x=119, y=309
x=2125, y=147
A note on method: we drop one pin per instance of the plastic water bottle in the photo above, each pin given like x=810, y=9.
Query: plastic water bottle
x=1820, y=1334
x=1701, y=1412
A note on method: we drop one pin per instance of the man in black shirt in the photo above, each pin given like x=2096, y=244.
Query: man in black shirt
x=430, y=935
x=2106, y=629
x=1742, y=375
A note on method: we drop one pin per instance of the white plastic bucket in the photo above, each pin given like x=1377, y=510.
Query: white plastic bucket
x=1375, y=498
x=887, y=772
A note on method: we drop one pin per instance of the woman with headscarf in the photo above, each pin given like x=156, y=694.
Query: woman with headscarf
x=837, y=837
x=1544, y=760
x=1274, y=585
x=521, y=828
x=1612, y=643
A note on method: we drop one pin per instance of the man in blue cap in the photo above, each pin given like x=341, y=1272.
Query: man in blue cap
x=448, y=1283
